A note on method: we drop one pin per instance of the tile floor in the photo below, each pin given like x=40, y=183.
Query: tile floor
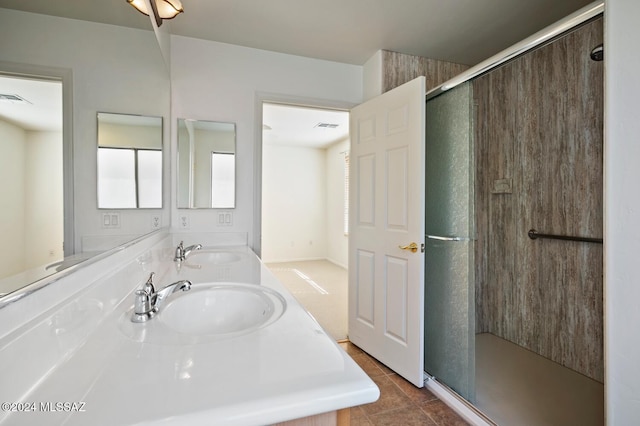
x=400, y=402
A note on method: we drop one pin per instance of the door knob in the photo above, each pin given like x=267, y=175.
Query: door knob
x=413, y=247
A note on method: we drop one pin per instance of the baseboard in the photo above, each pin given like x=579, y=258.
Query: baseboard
x=457, y=404
x=337, y=263
x=305, y=259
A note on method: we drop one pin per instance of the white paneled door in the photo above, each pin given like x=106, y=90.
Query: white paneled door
x=386, y=229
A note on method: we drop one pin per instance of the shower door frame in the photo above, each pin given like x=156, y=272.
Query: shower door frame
x=538, y=39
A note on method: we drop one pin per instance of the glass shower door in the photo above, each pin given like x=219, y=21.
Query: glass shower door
x=449, y=259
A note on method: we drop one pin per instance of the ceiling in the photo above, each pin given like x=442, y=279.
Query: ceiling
x=302, y=126
x=348, y=31
x=41, y=107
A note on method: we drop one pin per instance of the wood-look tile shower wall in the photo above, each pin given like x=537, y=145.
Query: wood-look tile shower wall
x=539, y=146
x=399, y=68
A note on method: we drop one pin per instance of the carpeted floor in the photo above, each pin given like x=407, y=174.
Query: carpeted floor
x=322, y=288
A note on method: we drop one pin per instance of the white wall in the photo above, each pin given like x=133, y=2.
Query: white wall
x=337, y=241
x=622, y=212
x=303, y=204
x=115, y=69
x=221, y=82
x=294, y=194
x=372, y=79
x=12, y=201
x=43, y=214
x=31, y=212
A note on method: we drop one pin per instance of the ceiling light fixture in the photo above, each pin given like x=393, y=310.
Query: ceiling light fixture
x=161, y=9
x=13, y=99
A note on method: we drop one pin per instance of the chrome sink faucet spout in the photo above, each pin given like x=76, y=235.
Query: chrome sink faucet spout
x=182, y=252
x=148, y=300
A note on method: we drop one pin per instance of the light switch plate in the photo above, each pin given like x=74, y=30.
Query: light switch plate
x=110, y=220
x=225, y=219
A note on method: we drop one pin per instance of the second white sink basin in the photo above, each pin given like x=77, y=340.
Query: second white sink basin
x=214, y=257
x=223, y=309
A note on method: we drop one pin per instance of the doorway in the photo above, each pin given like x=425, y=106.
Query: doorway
x=31, y=124
x=304, y=207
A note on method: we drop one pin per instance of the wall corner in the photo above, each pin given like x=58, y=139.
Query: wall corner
x=372, y=77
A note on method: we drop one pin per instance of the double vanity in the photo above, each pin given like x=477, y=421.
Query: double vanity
x=136, y=337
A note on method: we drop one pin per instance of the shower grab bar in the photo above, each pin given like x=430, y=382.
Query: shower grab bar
x=533, y=234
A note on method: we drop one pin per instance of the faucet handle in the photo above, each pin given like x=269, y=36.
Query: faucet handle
x=142, y=304
x=143, y=309
x=179, y=256
x=148, y=287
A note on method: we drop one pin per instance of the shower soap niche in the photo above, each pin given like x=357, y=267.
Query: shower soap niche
x=501, y=186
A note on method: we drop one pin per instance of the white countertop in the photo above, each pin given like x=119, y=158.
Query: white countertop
x=287, y=370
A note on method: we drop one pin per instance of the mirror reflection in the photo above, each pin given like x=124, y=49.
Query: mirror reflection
x=51, y=220
x=206, y=164
x=31, y=217
x=129, y=161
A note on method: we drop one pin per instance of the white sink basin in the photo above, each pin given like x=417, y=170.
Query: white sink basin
x=213, y=257
x=221, y=309
x=207, y=313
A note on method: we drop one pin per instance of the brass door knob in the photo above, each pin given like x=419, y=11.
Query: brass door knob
x=413, y=247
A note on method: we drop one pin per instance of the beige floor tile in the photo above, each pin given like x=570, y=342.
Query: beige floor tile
x=408, y=416
x=442, y=414
x=400, y=402
x=417, y=395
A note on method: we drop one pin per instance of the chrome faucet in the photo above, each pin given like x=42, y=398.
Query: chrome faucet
x=182, y=252
x=148, y=300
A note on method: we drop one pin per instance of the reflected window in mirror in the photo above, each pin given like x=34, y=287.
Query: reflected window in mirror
x=129, y=161
x=206, y=164
x=223, y=179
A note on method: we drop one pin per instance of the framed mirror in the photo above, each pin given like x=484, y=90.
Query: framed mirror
x=129, y=161
x=206, y=164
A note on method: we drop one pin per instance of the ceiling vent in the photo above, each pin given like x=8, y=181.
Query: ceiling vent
x=326, y=125
x=14, y=99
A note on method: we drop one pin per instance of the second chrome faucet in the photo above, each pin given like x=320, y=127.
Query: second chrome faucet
x=182, y=252
x=148, y=300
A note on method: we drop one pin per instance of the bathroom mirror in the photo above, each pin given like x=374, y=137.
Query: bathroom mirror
x=206, y=164
x=129, y=161
x=127, y=75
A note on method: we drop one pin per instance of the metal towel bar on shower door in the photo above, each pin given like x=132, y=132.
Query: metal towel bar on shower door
x=533, y=234
x=443, y=238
